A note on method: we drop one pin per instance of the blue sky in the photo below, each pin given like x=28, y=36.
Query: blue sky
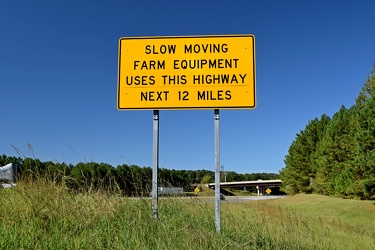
x=58, y=78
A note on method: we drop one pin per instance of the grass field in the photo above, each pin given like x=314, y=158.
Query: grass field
x=43, y=215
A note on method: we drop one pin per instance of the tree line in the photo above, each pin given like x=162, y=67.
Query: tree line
x=336, y=156
x=131, y=180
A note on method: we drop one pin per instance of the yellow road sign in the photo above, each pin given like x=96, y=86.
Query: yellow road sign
x=197, y=72
x=268, y=191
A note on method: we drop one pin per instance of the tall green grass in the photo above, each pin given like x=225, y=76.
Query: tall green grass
x=298, y=223
x=43, y=215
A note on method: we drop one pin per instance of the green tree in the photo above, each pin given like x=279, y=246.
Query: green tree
x=233, y=176
x=300, y=166
x=365, y=137
x=4, y=160
x=206, y=179
x=92, y=175
x=335, y=156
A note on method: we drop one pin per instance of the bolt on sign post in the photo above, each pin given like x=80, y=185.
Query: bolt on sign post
x=186, y=72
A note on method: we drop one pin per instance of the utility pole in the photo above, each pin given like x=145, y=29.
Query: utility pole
x=224, y=173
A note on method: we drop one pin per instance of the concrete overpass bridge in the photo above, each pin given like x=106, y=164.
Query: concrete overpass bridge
x=261, y=185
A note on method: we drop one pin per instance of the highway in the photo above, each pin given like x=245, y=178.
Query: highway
x=252, y=198
x=234, y=198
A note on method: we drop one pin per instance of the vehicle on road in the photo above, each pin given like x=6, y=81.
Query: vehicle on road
x=222, y=197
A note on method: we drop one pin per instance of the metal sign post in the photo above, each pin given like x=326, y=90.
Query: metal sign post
x=155, y=164
x=217, y=169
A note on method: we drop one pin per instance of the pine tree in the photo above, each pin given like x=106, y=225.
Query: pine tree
x=365, y=137
x=335, y=156
x=300, y=167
